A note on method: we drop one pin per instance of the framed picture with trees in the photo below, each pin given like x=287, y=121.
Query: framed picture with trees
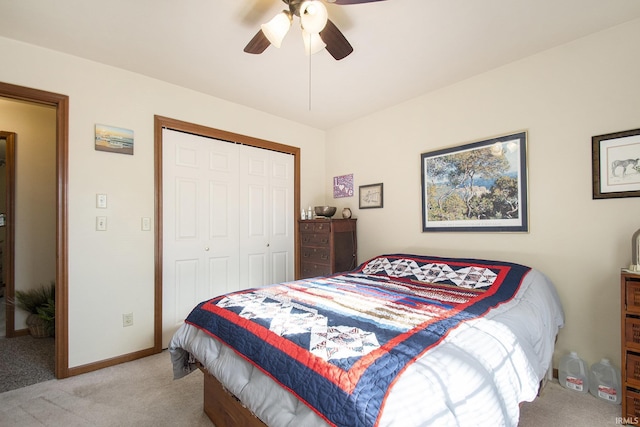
x=480, y=186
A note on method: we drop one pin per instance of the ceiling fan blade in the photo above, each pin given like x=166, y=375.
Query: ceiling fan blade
x=337, y=44
x=258, y=43
x=254, y=11
x=343, y=2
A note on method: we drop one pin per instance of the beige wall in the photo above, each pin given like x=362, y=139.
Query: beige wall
x=562, y=97
x=35, y=199
x=112, y=272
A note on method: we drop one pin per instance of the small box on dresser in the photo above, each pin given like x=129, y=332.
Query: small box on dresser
x=630, y=364
x=327, y=246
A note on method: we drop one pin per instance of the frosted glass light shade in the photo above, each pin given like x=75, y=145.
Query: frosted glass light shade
x=277, y=28
x=313, y=16
x=312, y=42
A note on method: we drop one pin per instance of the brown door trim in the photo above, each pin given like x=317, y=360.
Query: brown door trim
x=61, y=103
x=9, y=247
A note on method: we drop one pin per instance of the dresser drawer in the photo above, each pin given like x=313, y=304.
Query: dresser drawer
x=313, y=239
x=632, y=297
x=315, y=255
x=632, y=333
x=633, y=369
x=311, y=269
x=315, y=227
x=632, y=406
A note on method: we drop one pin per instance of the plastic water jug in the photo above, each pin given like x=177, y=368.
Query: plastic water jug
x=573, y=373
x=604, y=382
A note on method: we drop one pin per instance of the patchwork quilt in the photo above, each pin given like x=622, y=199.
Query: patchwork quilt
x=339, y=342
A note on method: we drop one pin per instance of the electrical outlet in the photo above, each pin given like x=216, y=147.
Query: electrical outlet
x=127, y=320
x=146, y=224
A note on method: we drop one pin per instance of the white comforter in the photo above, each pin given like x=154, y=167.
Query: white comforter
x=477, y=376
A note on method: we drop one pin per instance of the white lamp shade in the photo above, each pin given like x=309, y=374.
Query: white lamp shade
x=312, y=42
x=313, y=16
x=277, y=28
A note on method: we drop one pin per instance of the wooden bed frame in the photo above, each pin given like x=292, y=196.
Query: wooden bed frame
x=223, y=408
x=226, y=410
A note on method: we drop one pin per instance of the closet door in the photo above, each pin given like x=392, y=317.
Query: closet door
x=283, y=219
x=266, y=217
x=200, y=223
x=228, y=221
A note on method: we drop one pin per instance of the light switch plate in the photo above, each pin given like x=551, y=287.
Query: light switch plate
x=101, y=223
x=146, y=223
x=101, y=201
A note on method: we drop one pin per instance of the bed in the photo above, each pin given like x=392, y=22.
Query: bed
x=403, y=339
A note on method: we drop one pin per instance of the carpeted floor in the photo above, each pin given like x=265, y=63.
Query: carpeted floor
x=25, y=361
x=557, y=406
x=138, y=394
x=143, y=393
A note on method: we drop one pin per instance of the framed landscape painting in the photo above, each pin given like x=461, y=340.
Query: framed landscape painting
x=481, y=186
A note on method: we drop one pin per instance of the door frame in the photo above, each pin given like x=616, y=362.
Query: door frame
x=61, y=104
x=181, y=126
x=8, y=252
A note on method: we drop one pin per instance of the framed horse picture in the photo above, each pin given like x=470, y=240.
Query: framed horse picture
x=616, y=164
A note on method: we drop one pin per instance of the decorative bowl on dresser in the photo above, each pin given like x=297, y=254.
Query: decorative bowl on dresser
x=325, y=211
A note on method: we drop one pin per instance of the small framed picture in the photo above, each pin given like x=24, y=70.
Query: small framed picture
x=113, y=139
x=343, y=186
x=616, y=164
x=370, y=196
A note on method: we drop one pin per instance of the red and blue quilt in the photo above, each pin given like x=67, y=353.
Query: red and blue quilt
x=339, y=342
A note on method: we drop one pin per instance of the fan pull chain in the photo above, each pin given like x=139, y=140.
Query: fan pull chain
x=310, y=74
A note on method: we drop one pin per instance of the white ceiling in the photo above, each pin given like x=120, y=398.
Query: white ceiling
x=402, y=48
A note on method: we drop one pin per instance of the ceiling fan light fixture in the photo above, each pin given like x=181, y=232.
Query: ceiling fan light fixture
x=313, y=43
x=313, y=16
x=277, y=28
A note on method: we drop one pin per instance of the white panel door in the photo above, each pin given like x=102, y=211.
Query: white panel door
x=200, y=223
x=254, y=217
x=282, y=243
x=266, y=217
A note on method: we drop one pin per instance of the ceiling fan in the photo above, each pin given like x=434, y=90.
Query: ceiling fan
x=318, y=31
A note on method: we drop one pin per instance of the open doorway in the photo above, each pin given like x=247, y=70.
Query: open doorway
x=7, y=196
x=60, y=105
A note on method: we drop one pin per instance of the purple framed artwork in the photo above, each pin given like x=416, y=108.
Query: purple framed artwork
x=343, y=186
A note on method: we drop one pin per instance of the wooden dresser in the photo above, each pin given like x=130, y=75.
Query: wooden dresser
x=630, y=365
x=327, y=246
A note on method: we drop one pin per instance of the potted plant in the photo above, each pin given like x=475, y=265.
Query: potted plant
x=41, y=305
